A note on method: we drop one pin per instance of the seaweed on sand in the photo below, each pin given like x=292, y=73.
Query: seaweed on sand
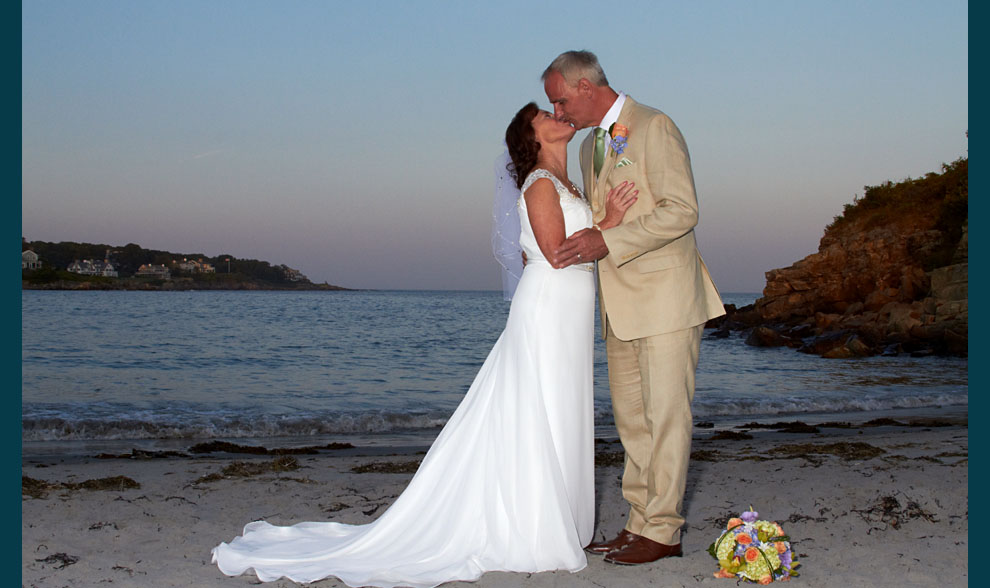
x=227, y=447
x=40, y=488
x=706, y=455
x=730, y=436
x=59, y=560
x=812, y=452
x=610, y=458
x=142, y=454
x=888, y=510
x=245, y=469
x=387, y=467
x=791, y=427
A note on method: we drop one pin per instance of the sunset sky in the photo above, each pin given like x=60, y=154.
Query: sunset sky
x=355, y=141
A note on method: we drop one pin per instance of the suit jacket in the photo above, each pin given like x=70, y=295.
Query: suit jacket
x=653, y=279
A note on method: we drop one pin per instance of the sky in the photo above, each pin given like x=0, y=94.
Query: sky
x=356, y=141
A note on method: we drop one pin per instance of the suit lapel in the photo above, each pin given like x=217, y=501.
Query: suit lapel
x=612, y=158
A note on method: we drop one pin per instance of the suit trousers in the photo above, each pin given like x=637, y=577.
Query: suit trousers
x=652, y=385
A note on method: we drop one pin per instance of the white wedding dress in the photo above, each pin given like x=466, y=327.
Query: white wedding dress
x=509, y=482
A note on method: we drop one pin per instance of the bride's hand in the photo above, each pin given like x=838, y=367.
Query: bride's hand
x=617, y=202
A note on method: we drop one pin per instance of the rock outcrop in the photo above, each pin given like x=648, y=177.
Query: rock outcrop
x=890, y=276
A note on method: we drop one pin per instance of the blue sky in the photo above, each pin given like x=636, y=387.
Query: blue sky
x=356, y=141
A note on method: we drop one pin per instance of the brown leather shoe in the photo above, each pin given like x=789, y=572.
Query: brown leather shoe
x=624, y=538
x=641, y=551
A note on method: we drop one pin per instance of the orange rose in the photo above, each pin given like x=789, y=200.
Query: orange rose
x=752, y=554
x=781, y=548
x=724, y=574
x=744, y=539
x=733, y=523
x=620, y=131
x=766, y=579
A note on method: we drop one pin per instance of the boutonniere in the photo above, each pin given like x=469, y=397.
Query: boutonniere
x=620, y=134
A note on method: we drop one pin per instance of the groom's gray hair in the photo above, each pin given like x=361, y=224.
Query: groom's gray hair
x=574, y=65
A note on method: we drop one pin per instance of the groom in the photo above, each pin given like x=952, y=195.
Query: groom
x=655, y=294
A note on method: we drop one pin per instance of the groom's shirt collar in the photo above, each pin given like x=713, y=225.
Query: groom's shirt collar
x=612, y=116
x=613, y=112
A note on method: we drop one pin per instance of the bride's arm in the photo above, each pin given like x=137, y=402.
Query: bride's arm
x=545, y=215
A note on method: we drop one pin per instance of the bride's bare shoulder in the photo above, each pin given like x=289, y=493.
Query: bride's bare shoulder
x=541, y=187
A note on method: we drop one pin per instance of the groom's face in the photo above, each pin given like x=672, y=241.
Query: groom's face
x=569, y=103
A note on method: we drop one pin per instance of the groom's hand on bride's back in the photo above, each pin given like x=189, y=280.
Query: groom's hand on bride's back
x=588, y=244
x=581, y=247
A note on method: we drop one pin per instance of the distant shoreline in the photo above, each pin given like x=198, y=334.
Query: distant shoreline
x=178, y=285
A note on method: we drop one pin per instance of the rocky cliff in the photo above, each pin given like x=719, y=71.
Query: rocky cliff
x=890, y=276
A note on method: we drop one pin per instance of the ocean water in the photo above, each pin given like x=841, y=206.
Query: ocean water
x=162, y=369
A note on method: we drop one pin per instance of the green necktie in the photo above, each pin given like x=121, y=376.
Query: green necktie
x=599, y=149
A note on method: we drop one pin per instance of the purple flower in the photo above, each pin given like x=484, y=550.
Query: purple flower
x=618, y=144
x=749, y=516
x=785, y=559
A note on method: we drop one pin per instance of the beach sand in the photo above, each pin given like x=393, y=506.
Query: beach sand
x=878, y=505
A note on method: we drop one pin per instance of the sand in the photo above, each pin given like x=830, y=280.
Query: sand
x=880, y=505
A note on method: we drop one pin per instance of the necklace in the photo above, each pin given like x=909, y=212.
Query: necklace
x=573, y=189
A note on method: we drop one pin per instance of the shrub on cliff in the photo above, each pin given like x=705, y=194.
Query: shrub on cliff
x=940, y=199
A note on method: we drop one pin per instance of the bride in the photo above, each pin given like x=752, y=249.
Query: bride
x=508, y=484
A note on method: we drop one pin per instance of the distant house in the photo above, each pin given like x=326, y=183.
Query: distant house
x=80, y=267
x=293, y=275
x=195, y=267
x=154, y=271
x=105, y=269
x=29, y=260
x=88, y=267
x=187, y=266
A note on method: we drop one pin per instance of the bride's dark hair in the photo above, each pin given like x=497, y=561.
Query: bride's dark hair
x=522, y=143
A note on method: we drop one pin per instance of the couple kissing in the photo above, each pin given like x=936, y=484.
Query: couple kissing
x=508, y=484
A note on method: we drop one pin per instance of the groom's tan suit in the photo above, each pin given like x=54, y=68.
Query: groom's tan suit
x=655, y=295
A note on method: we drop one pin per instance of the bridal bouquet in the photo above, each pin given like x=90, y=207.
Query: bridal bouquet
x=753, y=550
